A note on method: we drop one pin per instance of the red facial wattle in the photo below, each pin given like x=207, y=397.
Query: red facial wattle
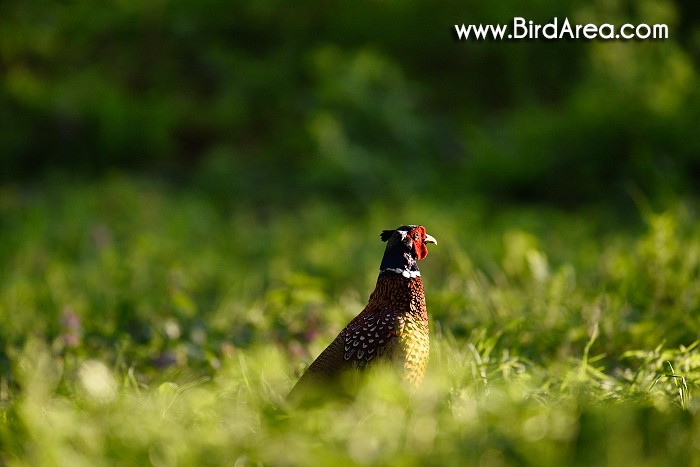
x=419, y=238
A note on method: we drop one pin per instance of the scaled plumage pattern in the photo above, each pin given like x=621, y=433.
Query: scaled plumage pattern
x=393, y=327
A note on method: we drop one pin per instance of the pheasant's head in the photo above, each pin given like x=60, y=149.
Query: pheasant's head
x=404, y=247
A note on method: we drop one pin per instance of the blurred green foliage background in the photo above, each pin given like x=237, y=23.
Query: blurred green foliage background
x=268, y=100
x=191, y=194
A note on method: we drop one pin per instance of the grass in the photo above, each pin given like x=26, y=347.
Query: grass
x=142, y=325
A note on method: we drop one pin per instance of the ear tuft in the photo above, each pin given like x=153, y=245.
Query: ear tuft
x=386, y=234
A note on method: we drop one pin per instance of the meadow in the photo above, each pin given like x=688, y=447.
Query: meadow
x=143, y=324
x=191, y=197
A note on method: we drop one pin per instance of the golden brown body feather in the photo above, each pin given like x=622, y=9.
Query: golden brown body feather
x=393, y=328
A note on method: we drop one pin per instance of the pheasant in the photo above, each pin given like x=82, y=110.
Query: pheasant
x=393, y=327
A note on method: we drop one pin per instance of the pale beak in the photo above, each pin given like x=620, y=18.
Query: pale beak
x=429, y=239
